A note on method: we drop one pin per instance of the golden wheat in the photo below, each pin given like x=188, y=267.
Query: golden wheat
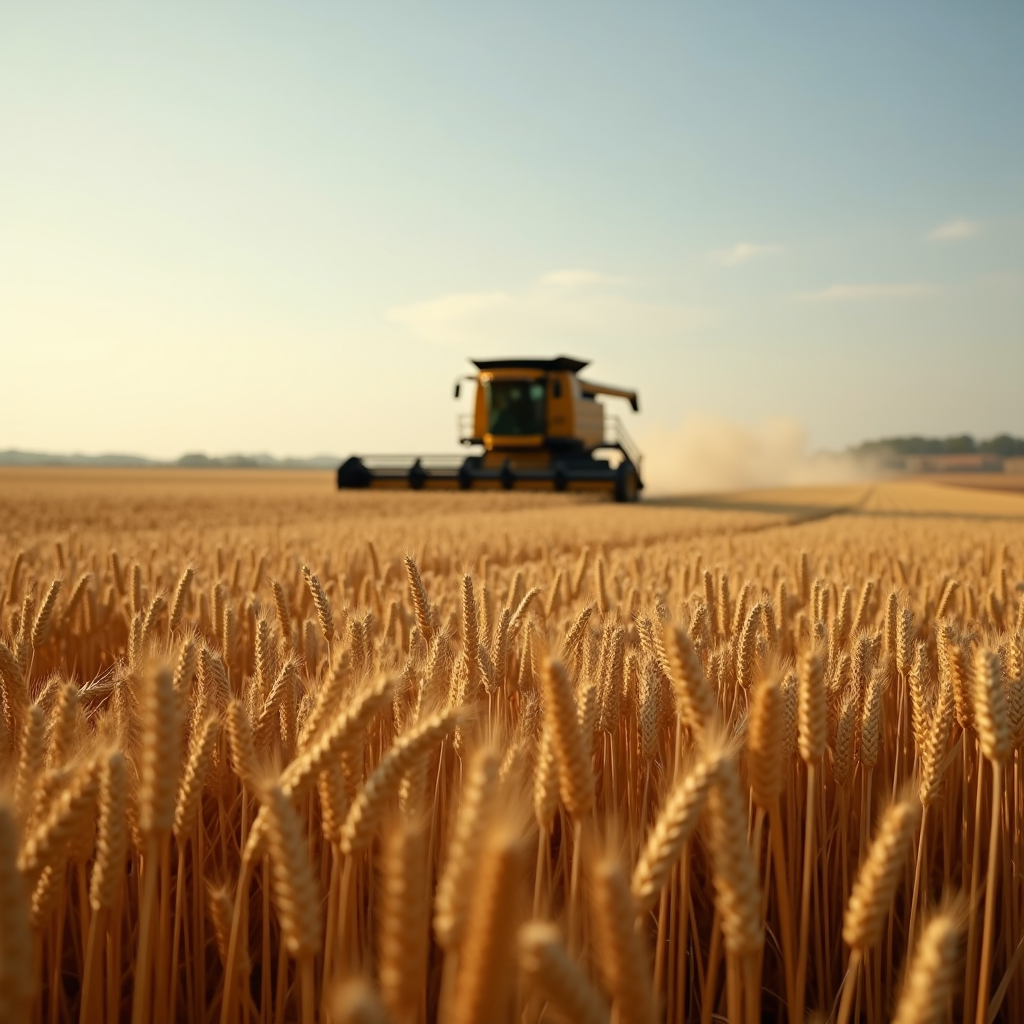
x=724, y=765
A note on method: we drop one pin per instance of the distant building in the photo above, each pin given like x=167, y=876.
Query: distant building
x=967, y=462
x=958, y=454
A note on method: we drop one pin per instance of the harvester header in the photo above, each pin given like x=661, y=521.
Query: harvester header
x=539, y=426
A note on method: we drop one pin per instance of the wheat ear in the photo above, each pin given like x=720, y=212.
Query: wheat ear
x=320, y=602
x=735, y=877
x=812, y=737
x=242, y=746
x=158, y=785
x=993, y=724
x=573, y=644
x=934, y=974
x=674, y=826
x=575, y=771
x=745, y=648
x=696, y=702
x=345, y=729
x=767, y=773
x=62, y=728
x=519, y=615
x=550, y=970
x=193, y=779
x=470, y=632
x=112, y=833
x=108, y=869
x=48, y=840
x=185, y=669
x=874, y=890
x=365, y=813
x=31, y=762
x=947, y=596
x=765, y=744
x=500, y=649
x=403, y=937
x=618, y=945
x=880, y=874
x=355, y=1002
x=15, y=690
x=860, y=619
x=136, y=589
x=265, y=654
x=41, y=626
x=418, y=595
x=283, y=614
x=149, y=620
x=451, y=900
x=484, y=983
x=281, y=695
x=916, y=677
x=294, y=889
x=545, y=781
x=179, y=599
x=221, y=911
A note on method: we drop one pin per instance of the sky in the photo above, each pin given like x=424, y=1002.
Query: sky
x=285, y=228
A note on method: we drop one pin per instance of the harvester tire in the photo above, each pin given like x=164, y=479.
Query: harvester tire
x=627, y=483
x=353, y=474
x=417, y=476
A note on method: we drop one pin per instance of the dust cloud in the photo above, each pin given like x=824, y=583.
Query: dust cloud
x=707, y=453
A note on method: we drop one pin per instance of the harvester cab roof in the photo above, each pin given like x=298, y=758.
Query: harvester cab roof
x=539, y=426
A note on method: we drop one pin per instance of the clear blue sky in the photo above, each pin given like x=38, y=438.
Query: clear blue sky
x=251, y=227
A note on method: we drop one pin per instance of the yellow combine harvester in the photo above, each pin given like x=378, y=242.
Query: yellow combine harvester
x=539, y=426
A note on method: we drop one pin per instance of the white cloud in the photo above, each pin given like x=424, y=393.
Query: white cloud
x=954, y=231
x=706, y=453
x=742, y=252
x=581, y=279
x=562, y=306
x=855, y=292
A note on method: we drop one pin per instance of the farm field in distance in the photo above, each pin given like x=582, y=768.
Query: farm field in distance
x=274, y=752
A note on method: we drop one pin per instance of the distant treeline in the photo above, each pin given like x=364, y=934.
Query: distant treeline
x=194, y=460
x=1003, y=445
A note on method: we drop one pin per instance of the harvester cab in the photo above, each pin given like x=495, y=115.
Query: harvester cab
x=539, y=426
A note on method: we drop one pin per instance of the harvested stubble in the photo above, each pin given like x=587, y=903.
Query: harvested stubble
x=710, y=774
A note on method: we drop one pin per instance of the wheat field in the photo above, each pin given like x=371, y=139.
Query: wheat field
x=269, y=753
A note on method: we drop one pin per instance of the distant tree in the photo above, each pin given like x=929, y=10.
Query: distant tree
x=962, y=444
x=1004, y=445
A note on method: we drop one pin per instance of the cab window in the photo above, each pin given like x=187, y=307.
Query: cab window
x=515, y=408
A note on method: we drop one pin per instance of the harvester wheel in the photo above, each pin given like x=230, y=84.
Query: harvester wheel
x=352, y=473
x=417, y=476
x=627, y=484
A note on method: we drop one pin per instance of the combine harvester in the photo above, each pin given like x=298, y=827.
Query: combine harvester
x=539, y=426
